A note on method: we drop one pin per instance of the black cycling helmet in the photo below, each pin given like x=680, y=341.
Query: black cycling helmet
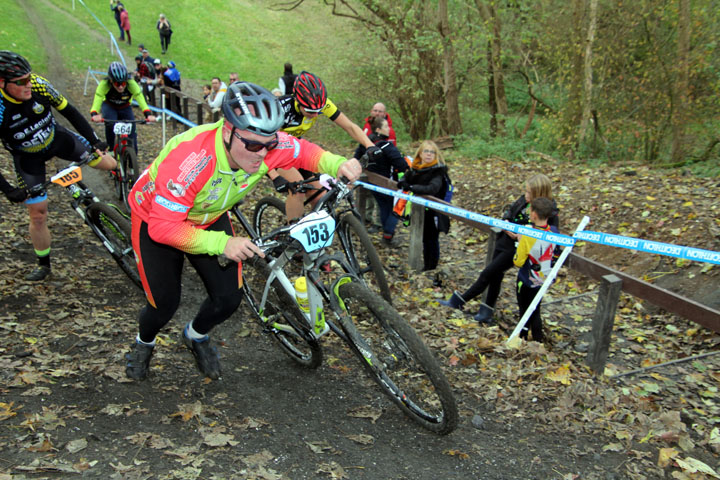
x=13, y=65
x=310, y=92
x=266, y=116
x=117, y=72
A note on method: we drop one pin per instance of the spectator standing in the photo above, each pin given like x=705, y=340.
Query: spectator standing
x=216, y=95
x=234, y=78
x=390, y=164
x=426, y=177
x=114, y=7
x=287, y=81
x=163, y=28
x=535, y=257
x=207, y=90
x=379, y=110
x=502, y=259
x=146, y=77
x=171, y=78
x=125, y=22
x=146, y=57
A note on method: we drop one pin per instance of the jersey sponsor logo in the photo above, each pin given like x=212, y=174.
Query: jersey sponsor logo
x=17, y=124
x=216, y=182
x=16, y=116
x=194, y=163
x=176, y=189
x=170, y=205
x=37, y=108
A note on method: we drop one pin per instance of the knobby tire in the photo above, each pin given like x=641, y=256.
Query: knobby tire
x=403, y=365
x=113, y=228
x=300, y=347
x=363, y=256
x=130, y=171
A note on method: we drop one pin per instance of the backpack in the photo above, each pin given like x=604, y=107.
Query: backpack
x=447, y=190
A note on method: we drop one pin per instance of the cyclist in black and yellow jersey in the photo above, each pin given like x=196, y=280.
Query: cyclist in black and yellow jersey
x=31, y=134
x=302, y=109
x=112, y=102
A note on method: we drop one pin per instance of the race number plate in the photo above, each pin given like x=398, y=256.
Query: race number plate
x=122, y=128
x=67, y=176
x=314, y=231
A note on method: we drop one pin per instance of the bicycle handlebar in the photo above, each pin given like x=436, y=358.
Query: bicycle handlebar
x=85, y=159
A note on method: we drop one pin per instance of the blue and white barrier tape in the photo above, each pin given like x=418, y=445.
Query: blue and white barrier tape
x=668, y=249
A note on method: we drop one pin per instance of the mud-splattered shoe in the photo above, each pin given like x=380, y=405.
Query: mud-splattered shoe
x=39, y=273
x=138, y=361
x=206, y=356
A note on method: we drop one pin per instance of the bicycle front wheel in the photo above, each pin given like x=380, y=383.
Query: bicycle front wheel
x=113, y=229
x=269, y=215
x=362, y=255
x=280, y=315
x=131, y=172
x=397, y=359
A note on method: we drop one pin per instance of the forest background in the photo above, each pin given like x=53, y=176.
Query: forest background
x=588, y=80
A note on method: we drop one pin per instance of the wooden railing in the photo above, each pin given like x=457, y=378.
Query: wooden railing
x=612, y=281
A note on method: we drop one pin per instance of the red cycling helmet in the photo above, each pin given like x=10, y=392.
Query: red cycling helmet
x=310, y=92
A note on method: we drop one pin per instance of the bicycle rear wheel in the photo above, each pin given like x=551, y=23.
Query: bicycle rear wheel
x=395, y=357
x=113, y=229
x=281, y=310
x=130, y=173
x=361, y=253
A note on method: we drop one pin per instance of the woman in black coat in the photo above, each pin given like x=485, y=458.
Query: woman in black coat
x=426, y=177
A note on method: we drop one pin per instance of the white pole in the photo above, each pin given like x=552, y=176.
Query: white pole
x=162, y=104
x=546, y=284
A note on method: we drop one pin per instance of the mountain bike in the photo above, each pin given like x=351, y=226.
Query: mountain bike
x=106, y=221
x=354, y=239
x=128, y=170
x=390, y=350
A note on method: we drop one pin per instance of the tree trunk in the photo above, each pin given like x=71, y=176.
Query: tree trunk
x=492, y=20
x=681, y=83
x=587, y=94
x=450, y=90
x=573, y=110
x=492, y=105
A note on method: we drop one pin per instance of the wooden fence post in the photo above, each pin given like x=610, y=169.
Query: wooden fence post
x=603, y=321
x=199, y=119
x=492, y=236
x=415, y=250
x=185, y=109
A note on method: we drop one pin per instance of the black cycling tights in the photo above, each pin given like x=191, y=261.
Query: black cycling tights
x=162, y=265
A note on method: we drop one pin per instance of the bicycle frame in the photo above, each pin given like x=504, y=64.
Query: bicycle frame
x=318, y=292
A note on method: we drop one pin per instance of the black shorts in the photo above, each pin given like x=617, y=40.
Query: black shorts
x=30, y=167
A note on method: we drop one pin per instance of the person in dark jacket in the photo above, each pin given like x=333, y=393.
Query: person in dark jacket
x=492, y=275
x=389, y=165
x=426, y=177
x=287, y=81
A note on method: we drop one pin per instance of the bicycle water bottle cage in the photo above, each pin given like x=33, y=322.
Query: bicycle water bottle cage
x=315, y=231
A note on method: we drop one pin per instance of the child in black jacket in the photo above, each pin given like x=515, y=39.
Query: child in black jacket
x=502, y=260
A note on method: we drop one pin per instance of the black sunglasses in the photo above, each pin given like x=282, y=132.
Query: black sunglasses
x=21, y=82
x=253, y=146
